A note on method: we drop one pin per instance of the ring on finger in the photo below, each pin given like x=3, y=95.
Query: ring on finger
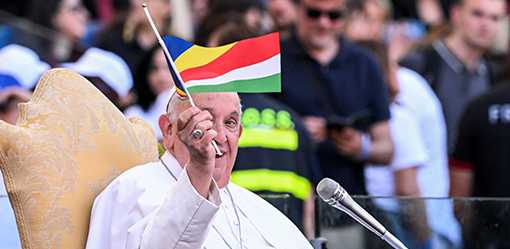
x=197, y=133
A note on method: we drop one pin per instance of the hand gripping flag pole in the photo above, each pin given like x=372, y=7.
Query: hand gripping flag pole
x=172, y=64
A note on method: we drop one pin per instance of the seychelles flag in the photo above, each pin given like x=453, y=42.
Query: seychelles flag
x=249, y=66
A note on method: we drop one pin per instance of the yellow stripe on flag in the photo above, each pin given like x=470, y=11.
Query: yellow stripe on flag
x=197, y=56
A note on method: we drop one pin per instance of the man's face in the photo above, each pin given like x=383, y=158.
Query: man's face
x=368, y=24
x=478, y=21
x=283, y=12
x=225, y=110
x=319, y=22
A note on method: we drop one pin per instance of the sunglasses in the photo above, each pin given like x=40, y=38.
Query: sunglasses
x=333, y=15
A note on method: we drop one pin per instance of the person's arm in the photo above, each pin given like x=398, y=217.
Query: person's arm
x=129, y=215
x=308, y=167
x=376, y=148
x=461, y=185
x=381, y=149
x=184, y=218
x=202, y=156
x=461, y=161
x=461, y=182
x=309, y=216
x=413, y=210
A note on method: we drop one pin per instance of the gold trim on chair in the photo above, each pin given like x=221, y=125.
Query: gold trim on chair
x=70, y=141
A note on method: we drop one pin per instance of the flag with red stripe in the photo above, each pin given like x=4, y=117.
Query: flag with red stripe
x=250, y=65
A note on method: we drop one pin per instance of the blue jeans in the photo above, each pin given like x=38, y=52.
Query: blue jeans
x=397, y=228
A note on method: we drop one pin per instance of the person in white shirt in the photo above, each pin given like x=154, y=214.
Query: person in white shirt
x=419, y=132
x=416, y=95
x=185, y=200
x=399, y=178
x=419, y=166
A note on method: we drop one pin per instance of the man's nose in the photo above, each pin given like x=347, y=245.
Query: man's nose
x=324, y=20
x=221, y=136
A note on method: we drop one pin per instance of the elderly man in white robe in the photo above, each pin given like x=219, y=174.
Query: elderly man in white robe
x=185, y=200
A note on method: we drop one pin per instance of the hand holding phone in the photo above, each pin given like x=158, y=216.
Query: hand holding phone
x=358, y=120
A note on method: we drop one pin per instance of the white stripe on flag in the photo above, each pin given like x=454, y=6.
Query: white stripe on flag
x=265, y=68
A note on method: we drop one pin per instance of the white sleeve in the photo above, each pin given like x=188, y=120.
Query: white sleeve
x=409, y=147
x=122, y=220
x=112, y=216
x=184, y=219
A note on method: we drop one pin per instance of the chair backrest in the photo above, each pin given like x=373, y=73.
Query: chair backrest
x=68, y=144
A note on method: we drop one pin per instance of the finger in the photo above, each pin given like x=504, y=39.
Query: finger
x=200, y=117
x=208, y=137
x=204, y=125
x=186, y=116
x=205, y=142
x=194, y=121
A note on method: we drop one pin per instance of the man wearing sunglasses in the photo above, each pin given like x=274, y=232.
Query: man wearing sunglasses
x=324, y=76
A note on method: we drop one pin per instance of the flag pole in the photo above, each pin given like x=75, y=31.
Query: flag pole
x=165, y=50
x=172, y=64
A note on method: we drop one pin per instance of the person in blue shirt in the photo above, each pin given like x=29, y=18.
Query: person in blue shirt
x=325, y=77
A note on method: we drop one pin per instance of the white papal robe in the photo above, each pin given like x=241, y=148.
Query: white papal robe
x=147, y=208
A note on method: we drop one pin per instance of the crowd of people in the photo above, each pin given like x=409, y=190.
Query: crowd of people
x=387, y=97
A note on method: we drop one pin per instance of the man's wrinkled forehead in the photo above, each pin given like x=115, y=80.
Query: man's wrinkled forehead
x=218, y=102
x=213, y=102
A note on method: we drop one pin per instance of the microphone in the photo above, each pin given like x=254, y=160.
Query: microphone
x=332, y=193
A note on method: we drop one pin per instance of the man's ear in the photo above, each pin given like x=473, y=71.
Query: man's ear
x=164, y=125
x=166, y=130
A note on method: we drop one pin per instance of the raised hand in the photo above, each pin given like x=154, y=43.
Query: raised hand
x=195, y=130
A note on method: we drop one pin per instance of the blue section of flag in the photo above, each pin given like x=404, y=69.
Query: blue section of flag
x=176, y=46
x=178, y=84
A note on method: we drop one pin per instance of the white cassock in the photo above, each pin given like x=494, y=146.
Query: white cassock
x=147, y=208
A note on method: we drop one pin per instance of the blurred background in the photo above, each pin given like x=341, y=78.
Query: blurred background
x=406, y=103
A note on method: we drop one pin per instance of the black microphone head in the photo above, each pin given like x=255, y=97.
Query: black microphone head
x=326, y=188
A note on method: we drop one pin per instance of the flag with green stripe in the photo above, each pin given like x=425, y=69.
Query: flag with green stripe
x=250, y=65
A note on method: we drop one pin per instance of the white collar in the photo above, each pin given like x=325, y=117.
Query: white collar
x=171, y=164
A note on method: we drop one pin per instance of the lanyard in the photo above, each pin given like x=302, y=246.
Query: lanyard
x=235, y=211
